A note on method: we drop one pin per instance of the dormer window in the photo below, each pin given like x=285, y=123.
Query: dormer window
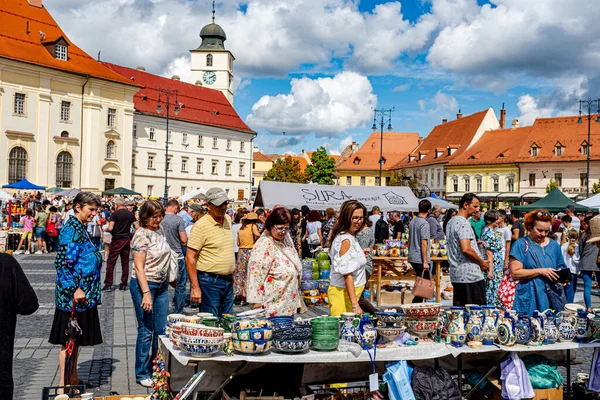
x=534, y=150
x=356, y=161
x=501, y=155
x=60, y=52
x=438, y=153
x=451, y=150
x=422, y=155
x=472, y=157
x=411, y=158
x=558, y=149
x=585, y=148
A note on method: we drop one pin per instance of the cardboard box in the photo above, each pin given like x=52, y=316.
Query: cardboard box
x=391, y=299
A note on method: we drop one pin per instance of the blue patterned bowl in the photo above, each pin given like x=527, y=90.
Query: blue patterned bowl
x=309, y=284
x=306, y=275
x=292, y=346
x=255, y=334
x=323, y=285
x=324, y=274
x=252, y=347
x=199, y=350
x=293, y=332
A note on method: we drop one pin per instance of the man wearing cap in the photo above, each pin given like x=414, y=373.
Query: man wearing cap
x=210, y=258
x=119, y=227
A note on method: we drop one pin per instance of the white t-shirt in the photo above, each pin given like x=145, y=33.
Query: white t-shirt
x=313, y=227
x=504, y=234
x=572, y=262
x=235, y=228
x=352, y=262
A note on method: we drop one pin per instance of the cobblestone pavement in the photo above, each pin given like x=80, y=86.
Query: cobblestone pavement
x=110, y=366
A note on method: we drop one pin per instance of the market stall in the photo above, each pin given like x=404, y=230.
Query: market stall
x=554, y=202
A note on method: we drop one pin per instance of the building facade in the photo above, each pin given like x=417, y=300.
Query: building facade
x=261, y=164
x=65, y=119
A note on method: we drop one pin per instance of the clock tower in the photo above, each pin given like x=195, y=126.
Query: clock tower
x=212, y=64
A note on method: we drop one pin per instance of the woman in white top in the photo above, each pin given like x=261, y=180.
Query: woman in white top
x=348, y=260
x=314, y=232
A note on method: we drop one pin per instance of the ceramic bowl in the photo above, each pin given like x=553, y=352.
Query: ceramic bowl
x=204, y=314
x=201, y=330
x=252, y=323
x=193, y=319
x=255, y=334
x=421, y=327
x=325, y=344
x=309, y=284
x=325, y=324
x=383, y=252
x=251, y=314
x=323, y=285
x=306, y=275
x=210, y=321
x=200, y=340
x=251, y=347
x=324, y=274
x=172, y=319
x=325, y=298
x=573, y=308
x=325, y=264
x=390, y=334
x=389, y=317
x=421, y=310
x=292, y=346
x=311, y=293
x=281, y=320
x=199, y=350
x=292, y=332
x=312, y=300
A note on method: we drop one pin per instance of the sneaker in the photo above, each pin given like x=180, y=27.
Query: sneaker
x=122, y=287
x=107, y=288
x=27, y=252
x=146, y=383
x=45, y=251
x=18, y=252
x=38, y=252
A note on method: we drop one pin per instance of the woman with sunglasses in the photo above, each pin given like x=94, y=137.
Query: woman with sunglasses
x=274, y=268
x=534, y=260
x=348, y=260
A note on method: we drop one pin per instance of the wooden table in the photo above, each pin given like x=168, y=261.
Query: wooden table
x=388, y=263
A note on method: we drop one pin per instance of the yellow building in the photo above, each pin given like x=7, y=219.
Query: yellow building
x=362, y=168
x=261, y=164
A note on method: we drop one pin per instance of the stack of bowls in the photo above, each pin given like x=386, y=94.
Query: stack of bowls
x=311, y=292
x=227, y=322
x=173, y=329
x=421, y=318
x=200, y=340
x=325, y=333
x=389, y=324
x=290, y=336
x=252, y=332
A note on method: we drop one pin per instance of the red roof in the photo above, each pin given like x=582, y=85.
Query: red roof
x=396, y=146
x=456, y=134
x=258, y=156
x=197, y=104
x=20, y=40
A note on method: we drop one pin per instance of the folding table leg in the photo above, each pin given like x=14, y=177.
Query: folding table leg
x=568, y=373
x=459, y=362
x=229, y=378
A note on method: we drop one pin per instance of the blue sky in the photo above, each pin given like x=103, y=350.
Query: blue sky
x=314, y=68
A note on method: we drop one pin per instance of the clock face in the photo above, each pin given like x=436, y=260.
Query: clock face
x=209, y=77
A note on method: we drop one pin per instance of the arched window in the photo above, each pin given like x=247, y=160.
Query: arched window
x=110, y=149
x=17, y=164
x=64, y=169
x=209, y=60
x=64, y=134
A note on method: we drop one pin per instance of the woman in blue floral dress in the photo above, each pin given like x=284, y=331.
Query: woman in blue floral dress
x=495, y=252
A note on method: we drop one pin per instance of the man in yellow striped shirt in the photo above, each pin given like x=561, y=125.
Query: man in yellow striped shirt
x=210, y=258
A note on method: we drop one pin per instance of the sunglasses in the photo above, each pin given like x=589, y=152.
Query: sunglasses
x=543, y=214
x=282, y=229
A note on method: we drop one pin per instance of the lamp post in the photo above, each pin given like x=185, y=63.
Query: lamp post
x=167, y=93
x=588, y=104
x=383, y=114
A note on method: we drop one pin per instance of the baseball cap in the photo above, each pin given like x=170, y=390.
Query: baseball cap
x=196, y=207
x=215, y=196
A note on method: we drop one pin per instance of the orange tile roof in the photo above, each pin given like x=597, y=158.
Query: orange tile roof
x=259, y=156
x=396, y=146
x=457, y=134
x=197, y=104
x=547, y=132
x=20, y=40
x=302, y=160
x=335, y=157
x=501, y=146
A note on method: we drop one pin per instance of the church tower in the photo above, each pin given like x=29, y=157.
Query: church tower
x=212, y=64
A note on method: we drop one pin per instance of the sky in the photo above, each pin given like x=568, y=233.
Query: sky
x=316, y=69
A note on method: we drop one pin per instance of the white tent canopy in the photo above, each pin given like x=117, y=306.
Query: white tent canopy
x=5, y=196
x=592, y=202
x=194, y=194
x=441, y=203
x=321, y=197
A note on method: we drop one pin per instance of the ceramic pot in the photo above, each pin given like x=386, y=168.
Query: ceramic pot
x=595, y=326
x=228, y=346
x=365, y=334
x=566, y=326
x=456, y=327
x=538, y=334
x=582, y=329
x=475, y=322
x=421, y=310
x=506, y=330
x=348, y=330
x=490, y=325
x=523, y=329
x=550, y=328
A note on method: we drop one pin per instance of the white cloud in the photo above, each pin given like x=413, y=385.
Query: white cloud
x=439, y=105
x=323, y=106
x=530, y=110
x=402, y=88
x=336, y=151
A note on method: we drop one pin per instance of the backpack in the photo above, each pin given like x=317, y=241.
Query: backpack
x=51, y=228
x=382, y=230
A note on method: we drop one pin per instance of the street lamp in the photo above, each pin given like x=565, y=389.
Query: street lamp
x=167, y=93
x=383, y=115
x=589, y=103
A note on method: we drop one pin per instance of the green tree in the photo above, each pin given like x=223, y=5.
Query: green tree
x=401, y=177
x=286, y=169
x=322, y=168
x=596, y=187
x=551, y=186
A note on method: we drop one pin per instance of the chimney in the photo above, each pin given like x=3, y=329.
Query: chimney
x=354, y=147
x=35, y=3
x=140, y=68
x=176, y=78
x=459, y=115
x=515, y=123
x=502, y=117
x=198, y=83
x=444, y=121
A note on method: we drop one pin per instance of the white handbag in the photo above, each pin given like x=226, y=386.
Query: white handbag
x=173, y=267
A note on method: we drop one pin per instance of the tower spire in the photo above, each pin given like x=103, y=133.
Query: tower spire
x=213, y=17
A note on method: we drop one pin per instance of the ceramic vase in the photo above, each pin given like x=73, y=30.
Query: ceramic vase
x=506, y=330
x=523, y=329
x=538, y=334
x=456, y=327
x=566, y=326
x=348, y=330
x=490, y=326
x=475, y=322
x=365, y=334
x=595, y=326
x=582, y=329
x=550, y=326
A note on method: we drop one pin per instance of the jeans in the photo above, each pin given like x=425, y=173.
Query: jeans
x=118, y=247
x=587, y=287
x=217, y=295
x=180, y=292
x=150, y=325
x=571, y=288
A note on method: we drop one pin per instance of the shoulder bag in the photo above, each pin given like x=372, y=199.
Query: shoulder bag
x=555, y=292
x=173, y=267
x=423, y=287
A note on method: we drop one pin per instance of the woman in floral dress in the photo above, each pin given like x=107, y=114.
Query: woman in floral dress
x=495, y=252
x=274, y=268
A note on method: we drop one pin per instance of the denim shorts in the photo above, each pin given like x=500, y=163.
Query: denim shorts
x=40, y=231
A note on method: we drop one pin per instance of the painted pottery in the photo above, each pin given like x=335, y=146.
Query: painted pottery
x=474, y=327
x=292, y=346
x=422, y=327
x=523, y=329
x=550, y=327
x=421, y=310
x=228, y=346
x=390, y=334
x=365, y=334
x=506, y=330
x=582, y=329
x=490, y=325
x=595, y=326
x=566, y=326
x=456, y=327
x=538, y=334
x=347, y=331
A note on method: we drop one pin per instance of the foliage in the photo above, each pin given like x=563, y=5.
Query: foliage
x=402, y=177
x=322, y=168
x=551, y=186
x=596, y=187
x=286, y=169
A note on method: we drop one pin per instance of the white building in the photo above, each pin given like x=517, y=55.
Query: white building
x=65, y=119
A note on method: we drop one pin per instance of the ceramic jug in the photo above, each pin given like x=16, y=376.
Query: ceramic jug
x=348, y=330
x=582, y=329
x=475, y=322
x=523, y=329
x=506, y=330
x=595, y=326
x=490, y=326
x=538, y=334
x=550, y=326
x=365, y=334
x=566, y=326
x=456, y=327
